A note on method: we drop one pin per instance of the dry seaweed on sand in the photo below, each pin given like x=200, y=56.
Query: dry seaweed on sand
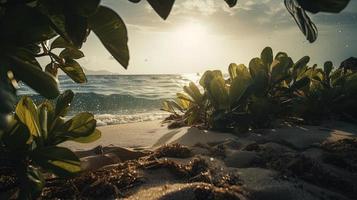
x=172, y=150
x=341, y=153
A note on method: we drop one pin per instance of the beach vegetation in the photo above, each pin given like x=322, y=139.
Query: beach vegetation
x=270, y=90
x=29, y=146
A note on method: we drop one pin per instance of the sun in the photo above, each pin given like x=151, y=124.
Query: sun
x=190, y=34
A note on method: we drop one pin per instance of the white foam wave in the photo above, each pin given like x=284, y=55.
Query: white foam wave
x=109, y=119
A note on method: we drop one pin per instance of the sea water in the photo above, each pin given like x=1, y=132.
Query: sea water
x=116, y=99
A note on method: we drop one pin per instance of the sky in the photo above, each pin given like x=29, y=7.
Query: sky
x=207, y=34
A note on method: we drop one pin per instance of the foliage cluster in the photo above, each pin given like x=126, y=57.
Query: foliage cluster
x=270, y=89
x=29, y=144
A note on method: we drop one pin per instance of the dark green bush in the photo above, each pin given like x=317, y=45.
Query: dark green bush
x=271, y=89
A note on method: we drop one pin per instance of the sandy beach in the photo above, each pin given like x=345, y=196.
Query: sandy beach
x=296, y=162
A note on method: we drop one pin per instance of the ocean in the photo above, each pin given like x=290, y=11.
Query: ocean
x=118, y=99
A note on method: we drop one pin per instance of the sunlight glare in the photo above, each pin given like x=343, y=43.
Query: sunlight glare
x=190, y=34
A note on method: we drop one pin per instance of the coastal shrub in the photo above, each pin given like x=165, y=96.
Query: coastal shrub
x=271, y=89
x=331, y=94
x=29, y=144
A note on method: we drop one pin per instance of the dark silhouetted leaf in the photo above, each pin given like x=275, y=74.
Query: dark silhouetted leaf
x=267, y=56
x=302, y=20
x=162, y=7
x=31, y=27
x=231, y=3
x=76, y=27
x=111, y=31
x=40, y=81
x=332, y=6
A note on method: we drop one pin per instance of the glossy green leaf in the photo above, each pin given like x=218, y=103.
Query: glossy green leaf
x=43, y=120
x=280, y=69
x=112, y=32
x=256, y=66
x=300, y=84
x=238, y=88
x=74, y=71
x=162, y=7
x=71, y=54
x=59, y=160
x=81, y=125
x=193, y=91
x=219, y=93
x=184, y=97
x=35, y=179
x=63, y=103
x=166, y=106
x=267, y=56
x=90, y=138
x=240, y=71
x=208, y=76
x=26, y=111
x=52, y=68
x=60, y=42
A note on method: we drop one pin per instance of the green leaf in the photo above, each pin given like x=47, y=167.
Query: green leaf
x=300, y=84
x=219, y=93
x=70, y=53
x=74, y=71
x=84, y=8
x=299, y=66
x=31, y=27
x=256, y=66
x=90, y=138
x=26, y=111
x=111, y=31
x=166, y=106
x=162, y=7
x=280, y=69
x=18, y=137
x=240, y=71
x=238, y=88
x=63, y=103
x=328, y=66
x=36, y=181
x=76, y=28
x=81, y=125
x=184, y=97
x=59, y=160
x=193, y=91
x=40, y=81
x=208, y=76
x=52, y=68
x=267, y=56
x=231, y=3
x=43, y=120
x=60, y=42
x=332, y=6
